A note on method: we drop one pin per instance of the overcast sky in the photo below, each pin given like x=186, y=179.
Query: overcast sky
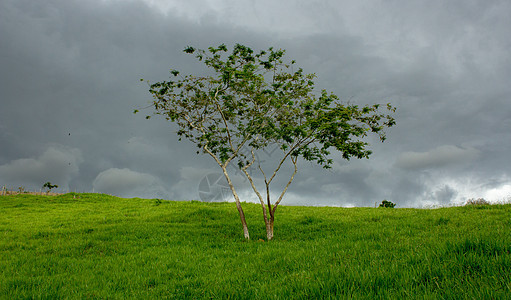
x=69, y=82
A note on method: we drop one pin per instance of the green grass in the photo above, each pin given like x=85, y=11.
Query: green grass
x=98, y=247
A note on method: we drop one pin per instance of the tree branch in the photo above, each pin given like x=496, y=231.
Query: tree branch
x=293, y=159
x=244, y=169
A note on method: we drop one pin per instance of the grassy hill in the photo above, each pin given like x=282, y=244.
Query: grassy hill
x=99, y=246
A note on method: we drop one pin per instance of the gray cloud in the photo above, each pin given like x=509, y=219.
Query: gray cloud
x=128, y=183
x=443, y=156
x=70, y=80
x=58, y=165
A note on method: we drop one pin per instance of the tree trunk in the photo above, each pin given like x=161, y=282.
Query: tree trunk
x=269, y=229
x=238, y=205
x=243, y=220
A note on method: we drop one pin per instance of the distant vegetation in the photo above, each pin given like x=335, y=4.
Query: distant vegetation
x=97, y=246
x=49, y=186
x=4, y=191
x=479, y=201
x=388, y=204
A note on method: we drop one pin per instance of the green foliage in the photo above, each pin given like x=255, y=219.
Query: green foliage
x=256, y=99
x=49, y=186
x=103, y=247
x=387, y=204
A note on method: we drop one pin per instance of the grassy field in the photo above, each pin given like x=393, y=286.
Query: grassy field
x=91, y=246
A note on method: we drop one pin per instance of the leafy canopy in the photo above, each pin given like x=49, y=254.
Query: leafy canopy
x=257, y=100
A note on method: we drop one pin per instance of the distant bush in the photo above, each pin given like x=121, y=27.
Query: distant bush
x=49, y=186
x=388, y=204
x=479, y=201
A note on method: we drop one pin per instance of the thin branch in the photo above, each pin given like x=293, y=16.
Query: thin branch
x=223, y=118
x=267, y=184
x=205, y=147
x=299, y=143
x=293, y=159
x=235, y=151
x=244, y=169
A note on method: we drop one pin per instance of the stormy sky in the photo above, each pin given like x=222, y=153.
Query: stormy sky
x=70, y=79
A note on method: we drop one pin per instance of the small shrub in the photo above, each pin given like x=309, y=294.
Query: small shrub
x=49, y=186
x=388, y=204
x=479, y=201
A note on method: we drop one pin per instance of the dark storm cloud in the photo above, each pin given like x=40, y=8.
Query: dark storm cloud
x=127, y=183
x=56, y=164
x=443, y=156
x=71, y=77
x=70, y=80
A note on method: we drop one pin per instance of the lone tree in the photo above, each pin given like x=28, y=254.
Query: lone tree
x=255, y=101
